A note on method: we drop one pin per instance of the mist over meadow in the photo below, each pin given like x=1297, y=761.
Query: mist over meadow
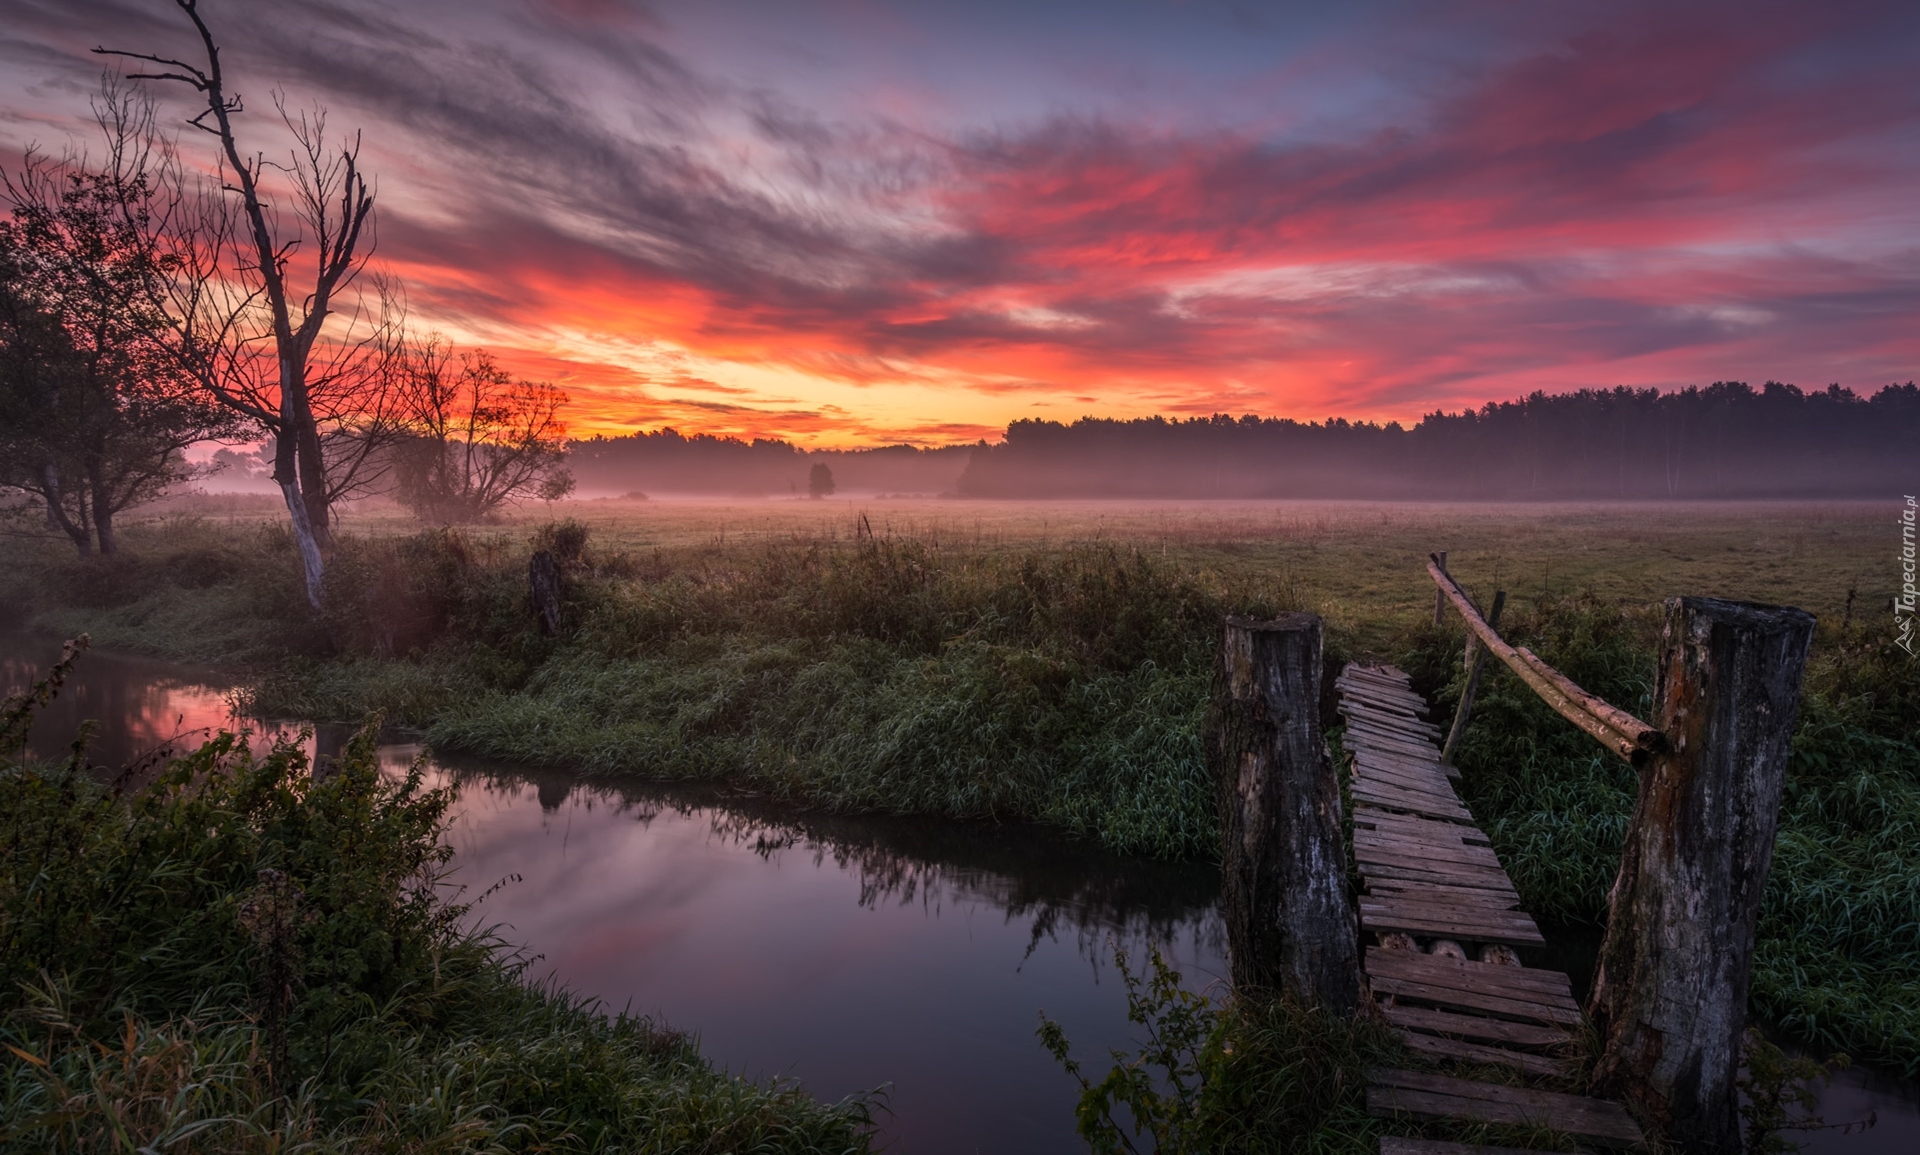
x=1726, y=441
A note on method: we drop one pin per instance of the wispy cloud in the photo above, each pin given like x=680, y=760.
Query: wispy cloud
x=1474, y=207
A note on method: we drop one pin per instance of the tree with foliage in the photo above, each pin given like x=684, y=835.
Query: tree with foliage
x=249, y=318
x=94, y=411
x=477, y=437
x=819, y=481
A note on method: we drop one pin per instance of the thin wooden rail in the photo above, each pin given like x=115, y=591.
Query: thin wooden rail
x=1614, y=728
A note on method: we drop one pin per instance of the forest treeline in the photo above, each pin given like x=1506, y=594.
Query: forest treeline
x=667, y=461
x=1727, y=440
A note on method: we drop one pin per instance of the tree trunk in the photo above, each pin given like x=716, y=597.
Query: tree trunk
x=57, y=511
x=285, y=475
x=313, y=485
x=296, y=416
x=102, y=506
x=1290, y=922
x=1670, y=997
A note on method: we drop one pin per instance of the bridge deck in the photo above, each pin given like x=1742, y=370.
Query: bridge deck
x=1446, y=918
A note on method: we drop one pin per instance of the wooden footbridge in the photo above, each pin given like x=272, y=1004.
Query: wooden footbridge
x=1432, y=942
x=1444, y=970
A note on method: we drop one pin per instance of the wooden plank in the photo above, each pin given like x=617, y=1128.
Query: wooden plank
x=1431, y=910
x=1455, y=876
x=1442, y=894
x=1391, y=1092
x=1371, y=756
x=1401, y=1145
x=1477, y=1027
x=1372, y=846
x=1378, y=824
x=1400, y=788
x=1406, y=784
x=1441, y=908
x=1427, y=776
x=1364, y=699
x=1421, y=829
x=1465, y=926
x=1358, y=736
x=1404, y=708
x=1392, y=728
x=1367, y=765
x=1440, y=1047
x=1467, y=974
x=1405, y=847
x=1363, y=711
x=1377, y=672
x=1406, y=798
x=1453, y=1000
x=1383, y=850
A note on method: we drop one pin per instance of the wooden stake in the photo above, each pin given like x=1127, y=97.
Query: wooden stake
x=1476, y=658
x=1290, y=922
x=1439, y=596
x=1670, y=996
x=543, y=582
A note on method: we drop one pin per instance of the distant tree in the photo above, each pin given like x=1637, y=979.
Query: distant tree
x=477, y=438
x=819, y=481
x=94, y=410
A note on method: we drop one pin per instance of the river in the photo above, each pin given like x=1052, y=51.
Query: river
x=846, y=952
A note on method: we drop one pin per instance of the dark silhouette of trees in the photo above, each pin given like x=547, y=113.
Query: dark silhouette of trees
x=260, y=289
x=667, y=461
x=819, y=481
x=476, y=437
x=1726, y=440
x=94, y=409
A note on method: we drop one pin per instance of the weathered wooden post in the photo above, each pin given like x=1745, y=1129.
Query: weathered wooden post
x=1290, y=924
x=1670, y=997
x=1476, y=658
x=543, y=581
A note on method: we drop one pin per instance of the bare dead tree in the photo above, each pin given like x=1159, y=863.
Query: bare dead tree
x=478, y=437
x=252, y=338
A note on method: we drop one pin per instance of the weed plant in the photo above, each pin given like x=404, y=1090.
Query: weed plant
x=244, y=957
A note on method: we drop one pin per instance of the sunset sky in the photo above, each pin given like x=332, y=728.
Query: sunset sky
x=849, y=222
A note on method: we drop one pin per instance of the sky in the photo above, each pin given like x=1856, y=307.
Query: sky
x=847, y=222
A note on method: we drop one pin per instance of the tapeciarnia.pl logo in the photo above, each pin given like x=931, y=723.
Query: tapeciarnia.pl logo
x=1903, y=604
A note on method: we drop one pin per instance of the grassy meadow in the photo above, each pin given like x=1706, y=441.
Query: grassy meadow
x=1050, y=662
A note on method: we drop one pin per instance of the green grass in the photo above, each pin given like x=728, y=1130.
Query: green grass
x=239, y=958
x=1050, y=663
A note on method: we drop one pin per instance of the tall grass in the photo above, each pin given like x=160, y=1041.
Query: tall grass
x=242, y=957
x=1056, y=683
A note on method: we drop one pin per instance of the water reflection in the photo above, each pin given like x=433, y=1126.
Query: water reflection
x=847, y=951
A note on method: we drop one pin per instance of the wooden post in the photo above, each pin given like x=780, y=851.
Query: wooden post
x=1440, y=596
x=1670, y=996
x=1290, y=922
x=1476, y=658
x=543, y=581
